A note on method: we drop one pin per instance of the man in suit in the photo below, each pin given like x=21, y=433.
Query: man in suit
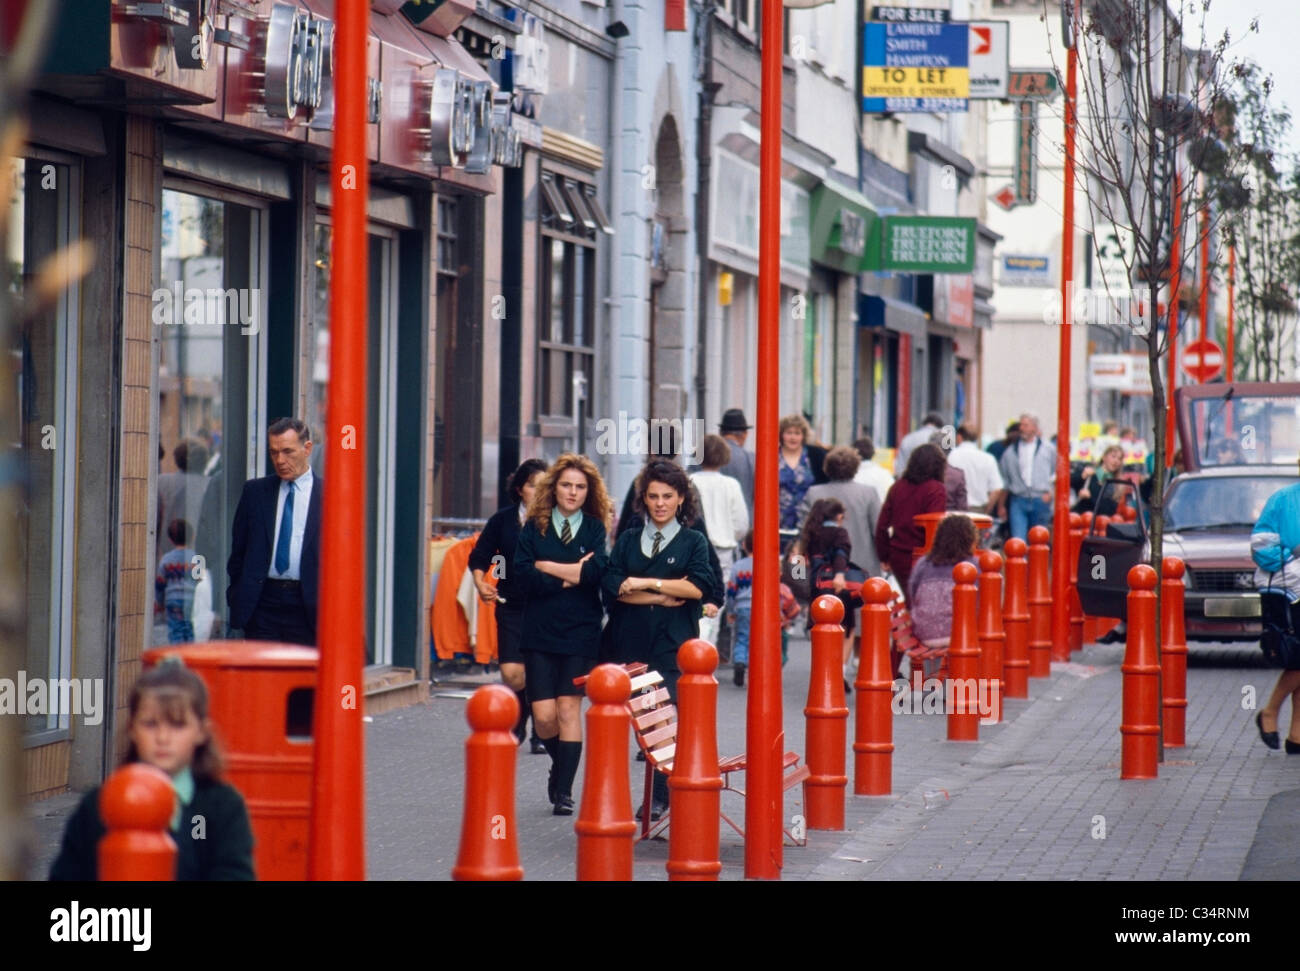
x=274, y=564
x=735, y=429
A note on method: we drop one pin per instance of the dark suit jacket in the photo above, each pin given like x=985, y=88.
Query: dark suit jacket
x=252, y=543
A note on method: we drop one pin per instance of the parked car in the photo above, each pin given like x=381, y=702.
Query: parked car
x=1241, y=443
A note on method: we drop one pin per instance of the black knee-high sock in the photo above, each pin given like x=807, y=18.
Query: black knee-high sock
x=552, y=747
x=569, y=754
x=659, y=792
x=521, y=726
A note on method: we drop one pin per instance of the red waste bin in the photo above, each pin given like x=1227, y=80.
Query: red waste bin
x=261, y=698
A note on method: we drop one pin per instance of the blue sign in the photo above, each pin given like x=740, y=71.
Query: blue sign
x=915, y=67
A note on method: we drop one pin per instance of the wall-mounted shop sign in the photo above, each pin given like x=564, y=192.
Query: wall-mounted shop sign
x=1020, y=270
x=842, y=222
x=915, y=66
x=467, y=123
x=191, y=25
x=298, y=56
x=923, y=244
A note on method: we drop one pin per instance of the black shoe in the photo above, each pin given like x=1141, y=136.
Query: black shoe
x=1271, y=738
x=1292, y=748
x=738, y=675
x=640, y=756
x=657, y=809
x=1116, y=635
x=537, y=746
x=848, y=688
x=563, y=806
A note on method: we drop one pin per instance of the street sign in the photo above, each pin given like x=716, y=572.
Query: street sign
x=915, y=67
x=1035, y=84
x=911, y=15
x=1025, y=270
x=1025, y=178
x=989, y=74
x=1202, y=360
x=1005, y=197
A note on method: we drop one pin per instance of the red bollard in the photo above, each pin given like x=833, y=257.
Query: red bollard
x=695, y=786
x=1015, y=618
x=873, y=743
x=1141, y=708
x=991, y=636
x=826, y=718
x=136, y=804
x=1173, y=652
x=1040, y=605
x=605, y=827
x=488, y=847
x=1076, y=607
x=963, y=660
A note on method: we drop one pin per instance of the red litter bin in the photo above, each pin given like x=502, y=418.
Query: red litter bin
x=261, y=697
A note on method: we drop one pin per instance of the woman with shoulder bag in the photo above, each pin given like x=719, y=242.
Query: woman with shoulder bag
x=1275, y=548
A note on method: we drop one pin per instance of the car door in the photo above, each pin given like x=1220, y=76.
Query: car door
x=1106, y=555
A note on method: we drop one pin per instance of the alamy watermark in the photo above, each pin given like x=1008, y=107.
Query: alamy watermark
x=655, y=436
x=1130, y=309
x=196, y=307
x=53, y=696
x=936, y=697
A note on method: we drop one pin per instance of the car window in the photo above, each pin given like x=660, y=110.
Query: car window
x=1247, y=430
x=1201, y=503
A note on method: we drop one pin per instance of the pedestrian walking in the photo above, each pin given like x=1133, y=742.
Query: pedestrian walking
x=825, y=543
x=175, y=582
x=655, y=582
x=168, y=727
x=274, y=564
x=734, y=428
x=722, y=505
x=954, y=479
x=869, y=472
x=983, y=478
x=932, y=423
x=920, y=490
x=559, y=562
x=1275, y=548
x=800, y=467
x=493, y=557
x=1028, y=467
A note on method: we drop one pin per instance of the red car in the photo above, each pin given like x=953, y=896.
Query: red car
x=1241, y=443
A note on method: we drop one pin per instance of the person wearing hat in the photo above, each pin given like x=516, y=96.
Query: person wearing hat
x=740, y=466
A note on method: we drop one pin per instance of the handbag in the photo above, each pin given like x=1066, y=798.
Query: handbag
x=794, y=574
x=1279, y=639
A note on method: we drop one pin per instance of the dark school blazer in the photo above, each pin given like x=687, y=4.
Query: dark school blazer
x=559, y=619
x=500, y=536
x=646, y=632
x=224, y=853
x=251, y=546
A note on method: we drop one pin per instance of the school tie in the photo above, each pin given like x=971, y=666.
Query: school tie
x=566, y=533
x=654, y=550
x=286, y=534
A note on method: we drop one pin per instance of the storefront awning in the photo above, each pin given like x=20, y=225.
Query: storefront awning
x=842, y=222
x=891, y=314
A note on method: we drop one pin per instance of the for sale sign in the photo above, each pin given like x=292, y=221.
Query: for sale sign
x=915, y=67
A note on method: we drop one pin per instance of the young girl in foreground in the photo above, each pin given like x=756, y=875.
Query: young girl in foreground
x=169, y=729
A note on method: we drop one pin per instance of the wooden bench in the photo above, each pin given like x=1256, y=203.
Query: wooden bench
x=933, y=660
x=654, y=723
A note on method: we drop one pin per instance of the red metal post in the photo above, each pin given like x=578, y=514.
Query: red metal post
x=764, y=736
x=1175, y=284
x=1040, y=605
x=992, y=637
x=1173, y=652
x=962, y=694
x=1205, y=272
x=695, y=787
x=873, y=743
x=1015, y=619
x=136, y=804
x=1228, y=351
x=827, y=720
x=489, y=849
x=1060, y=605
x=1090, y=631
x=1140, y=727
x=1076, y=607
x=337, y=834
x=605, y=827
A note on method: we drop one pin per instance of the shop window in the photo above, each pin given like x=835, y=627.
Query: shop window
x=745, y=12
x=209, y=313
x=43, y=369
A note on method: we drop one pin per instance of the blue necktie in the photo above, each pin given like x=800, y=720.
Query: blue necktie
x=286, y=535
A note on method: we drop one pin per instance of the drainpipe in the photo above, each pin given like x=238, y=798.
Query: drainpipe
x=703, y=156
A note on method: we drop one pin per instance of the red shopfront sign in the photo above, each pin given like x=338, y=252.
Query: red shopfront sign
x=675, y=15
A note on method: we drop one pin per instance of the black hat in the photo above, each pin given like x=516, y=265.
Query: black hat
x=733, y=420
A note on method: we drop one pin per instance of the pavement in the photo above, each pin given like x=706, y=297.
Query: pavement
x=1037, y=798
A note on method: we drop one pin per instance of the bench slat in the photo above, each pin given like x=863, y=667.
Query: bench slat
x=662, y=755
x=650, y=700
x=654, y=717
x=652, y=738
x=642, y=681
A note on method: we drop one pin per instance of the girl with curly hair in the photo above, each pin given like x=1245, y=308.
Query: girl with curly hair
x=559, y=562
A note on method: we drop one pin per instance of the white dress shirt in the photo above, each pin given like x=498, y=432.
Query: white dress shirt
x=726, y=516
x=876, y=476
x=301, y=502
x=670, y=529
x=981, y=468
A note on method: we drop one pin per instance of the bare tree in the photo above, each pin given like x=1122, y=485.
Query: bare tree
x=1146, y=109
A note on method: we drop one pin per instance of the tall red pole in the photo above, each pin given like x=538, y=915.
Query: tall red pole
x=1175, y=284
x=1205, y=272
x=337, y=836
x=764, y=737
x=1061, y=511
x=1229, y=373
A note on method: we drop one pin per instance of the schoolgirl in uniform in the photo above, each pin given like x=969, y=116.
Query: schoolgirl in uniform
x=559, y=562
x=655, y=582
x=499, y=537
x=169, y=729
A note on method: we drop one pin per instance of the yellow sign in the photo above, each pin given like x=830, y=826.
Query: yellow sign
x=916, y=82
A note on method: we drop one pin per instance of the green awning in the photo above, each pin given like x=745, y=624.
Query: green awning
x=842, y=223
